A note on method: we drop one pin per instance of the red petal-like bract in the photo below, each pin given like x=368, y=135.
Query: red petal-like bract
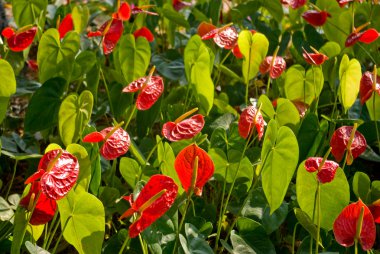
x=184, y=165
x=301, y=107
x=275, y=70
x=112, y=36
x=236, y=51
x=144, y=32
x=94, y=137
x=295, y=4
x=21, y=39
x=340, y=139
x=66, y=26
x=137, y=10
x=248, y=118
x=204, y=28
x=327, y=172
x=315, y=18
x=178, y=4
x=345, y=226
x=59, y=180
x=115, y=145
x=8, y=32
x=369, y=36
x=224, y=37
x=45, y=208
x=366, y=86
x=156, y=184
x=342, y=3
x=352, y=39
x=375, y=210
x=183, y=130
x=124, y=12
x=314, y=58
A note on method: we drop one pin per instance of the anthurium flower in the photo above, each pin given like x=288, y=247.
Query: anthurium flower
x=183, y=128
x=326, y=171
x=150, y=87
x=141, y=9
x=123, y=13
x=157, y=196
x=366, y=37
x=205, y=28
x=294, y=4
x=355, y=223
x=144, y=32
x=44, y=208
x=194, y=168
x=251, y=117
x=369, y=85
x=315, y=58
x=225, y=37
x=342, y=3
x=57, y=171
x=316, y=18
x=274, y=65
x=346, y=138
x=116, y=141
x=66, y=26
x=179, y=4
x=375, y=210
x=21, y=39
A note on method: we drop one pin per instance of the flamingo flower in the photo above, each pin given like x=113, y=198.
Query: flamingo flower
x=275, y=65
x=355, y=223
x=347, y=138
x=157, y=196
x=343, y=3
x=225, y=37
x=178, y=4
x=57, y=173
x=66, y=26
x=251, y=117
x=316, y=17
x=144, y=32
x=194, y=168
x=45, y=207
x=141, y=9
x=183, y=128
x=369, y=83
x=326, y=169
x=116, y=141
x=294, y=4
x=315, y=58
x=150, y=87
x=21, y=39
x=367, y=37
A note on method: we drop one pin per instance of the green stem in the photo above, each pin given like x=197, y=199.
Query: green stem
x=52, y=235
x=219, y=65
x=294, y=237
x=125, y=244
x=356, y=246
x=374, y=113
x=113, y=171
x=51, y=226
x=12, y=179
x=60, y=236
x=181, y=223
x=318, y=217
x=107, y=90
x=130, y=117
x=143, y=245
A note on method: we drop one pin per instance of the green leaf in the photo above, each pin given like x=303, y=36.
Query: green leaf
x=254, y=48
x=307, y=134
x=25, y=12
x=74, y=114
x=287, y=114
x=84, y=62
x=56, y=58
x=134, y=57
x=361, y=186
x=82, y=221
x=45, y=105
x=174, y=16
x=280, y=159
x=306, y=223
x=274, y=8
x=350, y=74
x=130, y=170
x=84, y=163
x=330, y=49
x=80, y=16
x=197, y=66
x=267, y=109
x=374, y=113
x=303, y=86
x=7, y=86
x=195, y=241
x=334, y=195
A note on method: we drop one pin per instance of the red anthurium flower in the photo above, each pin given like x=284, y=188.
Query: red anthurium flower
x=183, y=129
x=315, y=58
x=123, y=13
x=251, y=117
x=343, y=140
x=275, y=66
x=326, y=172
x=21, y=39
x=375, y=210
x=144, y=32
x=66, y=26
x=342, y=3
x=366, y=37
x=355, y=223
x=141, y=9
x=178, y=4
x=194, y=168
x=150, y=87
x=205, y=28
x=316, y=18
x=294, y=4
x=45, y=207
x=368, y=85
x=58, y=171
x=225, y=37
x=116, y=141
x=157, y=196
x=32, y=64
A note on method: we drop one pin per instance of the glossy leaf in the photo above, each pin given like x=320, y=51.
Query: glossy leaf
x=361, y=186
x=306, y=223
x=172, y=15
x=287, y=114
x=25, y=12
x=81, y=154
x=349, y=75
x=7, y=87
x=130, y=171
x=80, y=15
x=374, y=111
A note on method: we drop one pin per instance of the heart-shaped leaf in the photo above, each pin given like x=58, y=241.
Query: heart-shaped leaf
x=350, y=74
x=7, y=86
x=25, y=12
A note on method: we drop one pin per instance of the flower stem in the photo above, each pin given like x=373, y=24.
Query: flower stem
x=125, y=244
x=12, y=179
x=107, y=90
x=60, y=236
x=318, y=216
x=130, y=117
x=181, y=223
x=294, y=237
x=374, y=118
x=221, y=210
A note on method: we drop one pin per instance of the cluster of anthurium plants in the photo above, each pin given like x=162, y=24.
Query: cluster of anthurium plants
x=175, y=126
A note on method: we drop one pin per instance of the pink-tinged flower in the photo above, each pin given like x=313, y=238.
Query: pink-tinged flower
x=57, y=173
x=141, y=9
x=275, y=66
x=45, y=207
x=251, y=117
x=116, y=141
x=342, y=3
x=343, y=139
x=294, y=4
x=66, y=26
x=301, y=106
x=315, y=58
x=225, y=37
x=194, y=168
x=366, y=37
x=179, y=4
x=355, y=223
x=157, y=196
x=150, y=87
x=21, y=39
x=368, y=86
x=144, y=32
x=183, y=128
x=316, y=18
x=326, y=172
